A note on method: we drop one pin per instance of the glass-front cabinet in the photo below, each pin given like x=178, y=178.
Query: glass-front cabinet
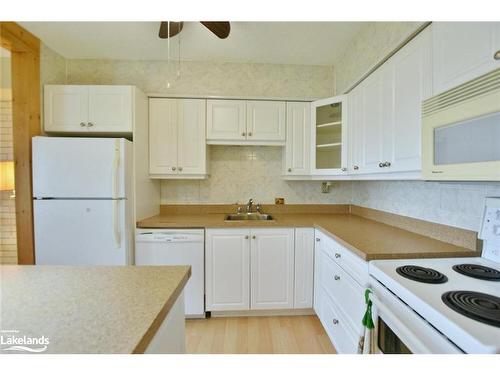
x=329, y=136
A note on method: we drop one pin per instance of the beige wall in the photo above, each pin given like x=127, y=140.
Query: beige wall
x=371, y=44
x=8, y=240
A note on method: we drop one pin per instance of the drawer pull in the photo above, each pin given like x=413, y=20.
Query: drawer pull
x=337, y=255
x=336, y=277
x=247, y=237
x=318, y=239
x=335, y=321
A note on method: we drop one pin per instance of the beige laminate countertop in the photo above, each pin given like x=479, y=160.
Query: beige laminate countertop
x=367, y=238
x=89, y=309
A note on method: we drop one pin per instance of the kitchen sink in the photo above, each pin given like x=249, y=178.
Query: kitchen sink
x=249, y=216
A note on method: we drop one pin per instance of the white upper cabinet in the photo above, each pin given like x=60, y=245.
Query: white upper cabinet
x=463, y=51
x=266, y=120
x=297, y=153
x=177, y=138
x=412, y=71
x=272, y=268
x=241, y=122
x=386, y=121
x=88, y=108
x=329, y=136
x=226, y=120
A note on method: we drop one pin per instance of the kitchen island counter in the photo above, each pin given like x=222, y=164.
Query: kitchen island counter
x=96, y=309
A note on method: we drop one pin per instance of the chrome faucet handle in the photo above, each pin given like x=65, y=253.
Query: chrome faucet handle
x=258, y=208
x=238, y=210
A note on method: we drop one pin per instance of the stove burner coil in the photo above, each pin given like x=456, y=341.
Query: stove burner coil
x=481, y=307
x=478, y=272
x=424, y=275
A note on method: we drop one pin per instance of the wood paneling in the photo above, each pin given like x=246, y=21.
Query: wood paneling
x=25, y=54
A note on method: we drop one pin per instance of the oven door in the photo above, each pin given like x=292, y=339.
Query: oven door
x=400, y=330
x=461, y=132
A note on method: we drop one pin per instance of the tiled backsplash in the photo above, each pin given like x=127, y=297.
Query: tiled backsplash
x=238, y=173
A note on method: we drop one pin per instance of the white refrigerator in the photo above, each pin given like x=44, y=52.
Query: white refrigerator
x=83, y=201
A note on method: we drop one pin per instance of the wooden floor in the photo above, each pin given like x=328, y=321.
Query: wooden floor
x=257, y=335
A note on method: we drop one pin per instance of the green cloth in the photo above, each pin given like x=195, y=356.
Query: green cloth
x=367, y=318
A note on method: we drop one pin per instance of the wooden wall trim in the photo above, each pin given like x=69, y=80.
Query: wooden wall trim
x=25, y=57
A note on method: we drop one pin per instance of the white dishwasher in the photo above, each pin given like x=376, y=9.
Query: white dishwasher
x=170, y=247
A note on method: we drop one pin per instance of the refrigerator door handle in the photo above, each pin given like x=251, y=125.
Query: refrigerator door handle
x=116, y=223
x=116, y=169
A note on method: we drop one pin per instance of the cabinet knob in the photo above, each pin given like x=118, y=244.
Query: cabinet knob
x=343, y=169
x=337, y=255
x=243, y=134
x=496, y=56
x=356, y=167
x=247, y=237
x=335, y=321
x=381, y=165
x=337, y=277
x=318, y=239
x=249, y=134
x=90, y=124
x=173, y=168
x=82, y=124
x=289, y=169
x=254, y=237
x=387, y=164
x=180, y=169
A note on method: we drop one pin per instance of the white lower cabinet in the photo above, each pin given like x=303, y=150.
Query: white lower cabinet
x=272, y=268
x=304, y=268
x=227, y=269
x=259, y=268
x=339, y=283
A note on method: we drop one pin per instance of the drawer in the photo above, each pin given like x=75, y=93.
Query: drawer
x=356, y=267
x=344, y=291
x=341, y=336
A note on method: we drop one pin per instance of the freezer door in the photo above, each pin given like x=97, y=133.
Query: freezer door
x=81, y=232
x=80, y=167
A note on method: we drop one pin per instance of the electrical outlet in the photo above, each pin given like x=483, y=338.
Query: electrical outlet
x=279, y=200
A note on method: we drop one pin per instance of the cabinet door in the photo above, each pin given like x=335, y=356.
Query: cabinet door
x=110, y=109
x=272, y=268
x=370, y=128
x=227, y=269
x=412, y=84
x=162, y=136
x=329, y=136
x=304, y=267
x=266, y=120
x=226, y=120
x=65, y=108
x=463, y=51
x=192, y=146
x=298, y=137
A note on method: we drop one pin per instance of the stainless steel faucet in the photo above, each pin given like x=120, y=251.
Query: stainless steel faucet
x=250, y=205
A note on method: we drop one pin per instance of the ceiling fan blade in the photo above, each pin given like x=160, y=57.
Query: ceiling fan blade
x=175, y=28
x=221, y=28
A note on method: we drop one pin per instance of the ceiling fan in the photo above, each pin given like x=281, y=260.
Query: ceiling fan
x=221, y=29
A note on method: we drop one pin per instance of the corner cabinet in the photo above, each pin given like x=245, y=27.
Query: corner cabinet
x=329, y=136
x=89, y=109
x=177, y=148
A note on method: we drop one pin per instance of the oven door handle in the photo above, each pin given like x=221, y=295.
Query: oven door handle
x=416, y=345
